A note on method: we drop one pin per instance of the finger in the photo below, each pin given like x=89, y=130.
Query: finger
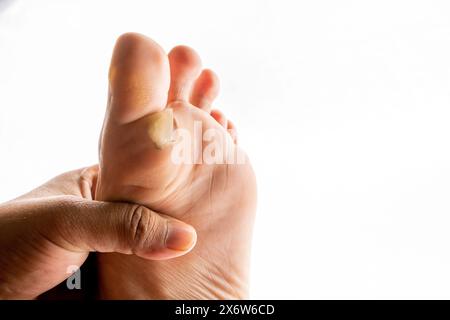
x=119, y=227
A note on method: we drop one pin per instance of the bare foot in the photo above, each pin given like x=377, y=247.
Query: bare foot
x=140, y=162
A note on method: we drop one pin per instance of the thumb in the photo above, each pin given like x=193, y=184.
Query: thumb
x=81, y=224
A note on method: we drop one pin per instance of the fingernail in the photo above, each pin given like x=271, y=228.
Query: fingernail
x=180, y=236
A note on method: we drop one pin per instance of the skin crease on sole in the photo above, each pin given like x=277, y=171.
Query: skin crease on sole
x=147, y=88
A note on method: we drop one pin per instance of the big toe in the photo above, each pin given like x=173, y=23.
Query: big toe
x=139, y=78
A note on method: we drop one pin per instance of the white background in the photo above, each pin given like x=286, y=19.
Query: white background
x=343, y=106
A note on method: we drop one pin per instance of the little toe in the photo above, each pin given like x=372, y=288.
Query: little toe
x=185, y=66
x=219, y=117
x=231, y=128
x=206, y=89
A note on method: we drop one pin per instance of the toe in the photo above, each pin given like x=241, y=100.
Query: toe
x=231, y=128
x=220, y=117
x=185, y=66
x=206, y=89
x=139, y=78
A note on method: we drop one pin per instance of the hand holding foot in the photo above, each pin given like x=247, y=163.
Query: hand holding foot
x=48, y=232
x=137, y=153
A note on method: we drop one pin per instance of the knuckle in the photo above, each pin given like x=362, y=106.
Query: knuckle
x=144, y=229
